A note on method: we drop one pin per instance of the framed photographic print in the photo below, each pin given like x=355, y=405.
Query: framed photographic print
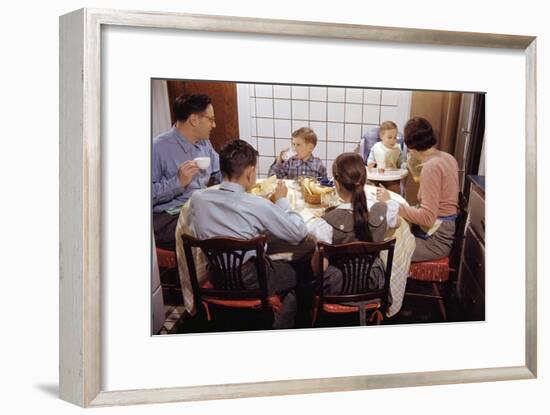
x=270, y=81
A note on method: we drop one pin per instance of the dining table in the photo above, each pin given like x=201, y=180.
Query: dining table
x=404, y=246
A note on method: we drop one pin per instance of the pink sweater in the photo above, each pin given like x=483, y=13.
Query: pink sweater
x=438, y=191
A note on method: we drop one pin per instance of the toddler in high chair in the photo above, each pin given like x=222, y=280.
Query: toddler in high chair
x=386, y=154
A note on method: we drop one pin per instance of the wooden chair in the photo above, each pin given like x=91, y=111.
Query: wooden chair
x=439, y=273
x=355, y=260
x=169, y=278
x=225, y=287
x=166, y=258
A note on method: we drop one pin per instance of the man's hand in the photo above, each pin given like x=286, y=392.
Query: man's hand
x=186, y=171
x=280, y=191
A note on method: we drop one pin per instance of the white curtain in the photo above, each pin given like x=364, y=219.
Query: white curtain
x=161, y=109
x=157, y=309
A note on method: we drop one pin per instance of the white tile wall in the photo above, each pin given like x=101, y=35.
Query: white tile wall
x=317, y=93
x=299, y=124
x=335, y=131
x=265, y=127
x=266, y=146
x=318, y=111
x=334, y=148
x=282, y=108
x=335, y=111
x=354, y=95
x=320, y=129
x=371, y=114
x=300, y=110
x=253, y=127
x=264, y=107
x=350, y=147
x=336, y=94
x=264, y=91
x=253, y=141
x=339, y=117
x=300, y=92
x=329, y=167
x=264, y=164
x=388, y=113
x=367, y=127
x=353, y=113
x=372, y=96
x=351, y=132
x=252, y=107
x=321, y=150
x=389, y=97
x=283, y=128
x=281, y=91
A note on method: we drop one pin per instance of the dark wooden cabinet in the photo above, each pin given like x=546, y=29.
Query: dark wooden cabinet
x=471, y=273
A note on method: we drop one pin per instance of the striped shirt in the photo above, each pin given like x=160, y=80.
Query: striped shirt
x=294, y=167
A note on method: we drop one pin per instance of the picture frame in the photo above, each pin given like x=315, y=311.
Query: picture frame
x=80, y=205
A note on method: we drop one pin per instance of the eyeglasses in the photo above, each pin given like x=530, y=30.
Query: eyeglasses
x=211, y=119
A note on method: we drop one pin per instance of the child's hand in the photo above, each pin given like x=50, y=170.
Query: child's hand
x=382, y=195
x=280, y=156
x=280, y=191
x=370, y=165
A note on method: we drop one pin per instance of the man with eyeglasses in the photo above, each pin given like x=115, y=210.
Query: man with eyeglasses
x=175, y=173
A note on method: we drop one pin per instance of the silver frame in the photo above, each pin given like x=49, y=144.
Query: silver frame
x=80, y=202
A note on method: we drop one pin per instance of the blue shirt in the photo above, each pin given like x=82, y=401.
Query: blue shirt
x=170, y=149
x=231, y=212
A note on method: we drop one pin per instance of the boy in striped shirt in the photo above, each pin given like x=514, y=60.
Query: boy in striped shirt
x=303, y=162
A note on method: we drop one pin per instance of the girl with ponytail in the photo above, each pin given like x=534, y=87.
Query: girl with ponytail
x=352, y=220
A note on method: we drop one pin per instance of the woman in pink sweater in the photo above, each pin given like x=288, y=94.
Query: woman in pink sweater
x=434, y=218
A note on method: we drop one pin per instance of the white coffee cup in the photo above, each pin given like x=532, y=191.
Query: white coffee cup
x=202, y=162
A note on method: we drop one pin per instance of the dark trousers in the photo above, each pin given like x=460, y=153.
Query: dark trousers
x=281, y=280
x=301, y=264
x=164, y=226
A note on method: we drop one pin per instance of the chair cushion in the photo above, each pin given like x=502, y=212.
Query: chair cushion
x=234, y=303
x=436, y=270
x=166, y=258
x=274, y=301
x=342, y=308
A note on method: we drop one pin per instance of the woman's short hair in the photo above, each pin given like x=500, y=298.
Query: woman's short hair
x=307, y=134
x=235, y=157
x=186, y=105
x=419, y=134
